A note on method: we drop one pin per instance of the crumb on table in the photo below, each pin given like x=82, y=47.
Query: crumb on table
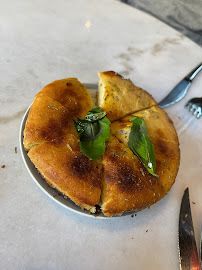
x=3, y=166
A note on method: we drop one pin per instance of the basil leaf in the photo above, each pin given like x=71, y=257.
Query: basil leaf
x=87, y=130
x=96, y=109
x=95, y=114
x=93, y=132
x=141, y=145
x=96, y=148
x=80, y=126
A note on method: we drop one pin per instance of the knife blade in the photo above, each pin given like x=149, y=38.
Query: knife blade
x=176, y=94
x=189, y=258
x=180, y=90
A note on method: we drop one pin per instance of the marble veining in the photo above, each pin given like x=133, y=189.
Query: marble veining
x=17, y=115
x=164, y=44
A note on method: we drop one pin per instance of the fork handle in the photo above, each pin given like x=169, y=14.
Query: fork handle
x=194, y=72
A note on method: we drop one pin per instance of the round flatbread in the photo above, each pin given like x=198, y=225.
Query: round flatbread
x=118, y=181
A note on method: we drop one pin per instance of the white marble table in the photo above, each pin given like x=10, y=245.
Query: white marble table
x=46, y=40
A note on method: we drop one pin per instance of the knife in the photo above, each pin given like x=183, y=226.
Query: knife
x=189, y=259
x=180, y=89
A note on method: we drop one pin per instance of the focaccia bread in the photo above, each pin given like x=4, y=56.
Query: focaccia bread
x=117, y=181
x=119, y=97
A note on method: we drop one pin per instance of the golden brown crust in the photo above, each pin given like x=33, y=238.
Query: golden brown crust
x=110, y=74
x=71, y=94
x=128, y=186
x=48, y=120
x=53, y=110
x=119, y=97
x=65, y=168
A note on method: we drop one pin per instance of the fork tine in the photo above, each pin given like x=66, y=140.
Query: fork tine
x=191, y=108
x=188, y=107
x=198, y=115
x=194, y=105
x=195, y=111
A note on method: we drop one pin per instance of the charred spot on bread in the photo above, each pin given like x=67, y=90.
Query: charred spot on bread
x=128, y=181
x=81, y=165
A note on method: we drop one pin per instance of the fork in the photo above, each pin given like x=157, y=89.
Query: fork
x=194, y=105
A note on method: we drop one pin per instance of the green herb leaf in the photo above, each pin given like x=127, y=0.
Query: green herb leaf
x=93, y=132
x=96, y=148
x=95, y=114
x=87, y=130
x=141, y=145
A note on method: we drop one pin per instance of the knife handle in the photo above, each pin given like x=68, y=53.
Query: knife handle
x=194, y=72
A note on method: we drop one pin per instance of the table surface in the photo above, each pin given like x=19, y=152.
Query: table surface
x=42, y=41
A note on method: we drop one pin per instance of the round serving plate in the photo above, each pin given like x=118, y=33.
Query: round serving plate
x=42, y=184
